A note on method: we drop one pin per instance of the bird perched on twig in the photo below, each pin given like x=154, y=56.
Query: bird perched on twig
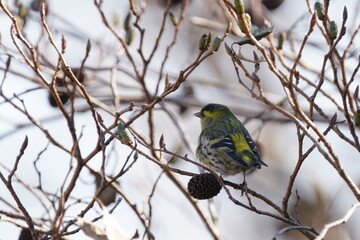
x=225, y=145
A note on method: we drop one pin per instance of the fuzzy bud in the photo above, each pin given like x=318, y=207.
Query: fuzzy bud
x=357, y=118
x=127, y=22
x=216, y=44
x=23, y=11
x=247, y=23
x=239, y=6
x=130, y=34
x=123, y=134
x=282, y=38
x=209, y=38
x=319, y=8
x=333, y=30
x=203, y=42
x=173, y=19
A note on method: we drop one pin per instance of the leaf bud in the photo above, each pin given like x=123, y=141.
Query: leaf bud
x=162, y=144
x=203, y=42
x=228, y=49
x=173, y=19
x=333, y=30
x=319, y=8
x=23, y=11
x=239, y=6
x=281, y=40
x=123, y=134
x=357, y=118
x=345, y=14
x=333, y=120
x=130, y=34
x=127, y=22
x=88, y=46
x=209, y=38
x=216, y=44
x=63, y=42
x=247, y=23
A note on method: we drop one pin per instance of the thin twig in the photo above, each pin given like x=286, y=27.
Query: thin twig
x=342, y=220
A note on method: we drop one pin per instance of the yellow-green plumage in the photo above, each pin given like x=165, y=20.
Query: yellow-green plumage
x=224, y=144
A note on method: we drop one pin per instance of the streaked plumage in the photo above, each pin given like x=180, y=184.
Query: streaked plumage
x=224, y=144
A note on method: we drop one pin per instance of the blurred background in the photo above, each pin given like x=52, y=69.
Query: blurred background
x=321, y=195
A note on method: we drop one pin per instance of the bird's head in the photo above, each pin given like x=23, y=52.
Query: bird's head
x=211, y=113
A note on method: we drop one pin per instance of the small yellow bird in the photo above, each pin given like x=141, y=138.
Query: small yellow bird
x=225, y=145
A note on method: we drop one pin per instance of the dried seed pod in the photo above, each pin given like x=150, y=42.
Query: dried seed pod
x=204, y=186
x=272, y=4
x=64, y=98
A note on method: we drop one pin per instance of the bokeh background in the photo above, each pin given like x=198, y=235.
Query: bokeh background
x=324, y=197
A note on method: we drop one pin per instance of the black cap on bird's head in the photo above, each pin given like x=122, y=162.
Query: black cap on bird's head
x=213, y=110
x=213, y=107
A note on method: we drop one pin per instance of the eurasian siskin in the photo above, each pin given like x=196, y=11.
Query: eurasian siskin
x=225, y=146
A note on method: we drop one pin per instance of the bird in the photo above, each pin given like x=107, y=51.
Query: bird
x=224, y=144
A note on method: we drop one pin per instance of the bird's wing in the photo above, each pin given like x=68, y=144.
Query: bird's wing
x=253, y=146
x=235, y=146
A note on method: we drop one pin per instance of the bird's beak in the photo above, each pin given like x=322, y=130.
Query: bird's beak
x=198, y=114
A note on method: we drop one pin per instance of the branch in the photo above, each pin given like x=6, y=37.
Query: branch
x=342, y=220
